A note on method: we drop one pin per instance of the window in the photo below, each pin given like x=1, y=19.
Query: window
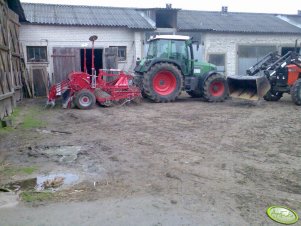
x=121, y=53
x=178, y=50
x=36, y=54
x=249, y=55
x=218, y=60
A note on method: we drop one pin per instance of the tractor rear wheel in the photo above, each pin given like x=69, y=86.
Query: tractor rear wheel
x=215, y=88
x=272, y=96
x=138, y=81
x=194, y=93
x=296, y=92
x=84, y=99
x=163, y=82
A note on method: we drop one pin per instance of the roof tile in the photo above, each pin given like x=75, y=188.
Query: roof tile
x=189, y=20
x=85, y=15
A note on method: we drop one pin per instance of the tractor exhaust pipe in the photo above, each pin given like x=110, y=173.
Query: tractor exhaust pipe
x=248, y=87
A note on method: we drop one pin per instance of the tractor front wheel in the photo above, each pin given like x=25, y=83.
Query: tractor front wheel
x=296, y=92
x=163, y=82
x=272, y=96
x=215, y=88
x=84, y=99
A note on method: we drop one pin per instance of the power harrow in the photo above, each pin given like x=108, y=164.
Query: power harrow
x=82, y=90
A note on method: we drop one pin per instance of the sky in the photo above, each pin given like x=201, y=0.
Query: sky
x=258, y=6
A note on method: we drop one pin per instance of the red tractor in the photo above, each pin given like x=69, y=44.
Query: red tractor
x=83, y=90
x=269, y=78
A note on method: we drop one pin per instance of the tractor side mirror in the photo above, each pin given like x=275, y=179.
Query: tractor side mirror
x=138, y=60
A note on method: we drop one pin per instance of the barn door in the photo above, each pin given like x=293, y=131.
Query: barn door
x=110, y=62
x=111, y=58
x=39, y=80
x=249, y=55
x=65, y=60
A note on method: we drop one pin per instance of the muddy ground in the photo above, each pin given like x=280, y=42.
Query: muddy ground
x=183, y=163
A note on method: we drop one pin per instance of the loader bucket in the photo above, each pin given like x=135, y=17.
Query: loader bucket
x=248, y=87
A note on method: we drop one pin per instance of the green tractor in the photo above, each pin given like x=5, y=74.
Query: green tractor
x=170, y=67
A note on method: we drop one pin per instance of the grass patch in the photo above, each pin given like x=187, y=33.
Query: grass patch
x=32, y=119
x=15, y=113
x=8, y=170
x=27, y=118
x=13, y=117
x=6, y=130
x=34, y=196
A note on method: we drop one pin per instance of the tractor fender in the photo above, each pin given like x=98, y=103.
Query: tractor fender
x=205, y=76
x=161, y=60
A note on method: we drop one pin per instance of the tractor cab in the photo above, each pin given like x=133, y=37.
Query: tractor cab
x=177, y=49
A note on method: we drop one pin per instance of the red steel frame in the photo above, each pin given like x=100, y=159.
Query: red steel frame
x=116, y=89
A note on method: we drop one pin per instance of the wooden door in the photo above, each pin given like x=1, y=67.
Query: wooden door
x=111, y=58
x=65, y=60
x=39, y=77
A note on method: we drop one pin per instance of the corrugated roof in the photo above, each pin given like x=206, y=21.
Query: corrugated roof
x=292, y=19
x=233, y=22
x=84, y=15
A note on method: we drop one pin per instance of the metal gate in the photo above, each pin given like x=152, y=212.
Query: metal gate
x=65, y=60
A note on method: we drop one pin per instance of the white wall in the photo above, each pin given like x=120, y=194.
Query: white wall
x=228, y=44
x=74, y=36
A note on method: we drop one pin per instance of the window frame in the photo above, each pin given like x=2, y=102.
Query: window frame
x=120, y=58
x=220, y=54
x=34, y=49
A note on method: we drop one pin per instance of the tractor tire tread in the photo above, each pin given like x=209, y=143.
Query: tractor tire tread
x=84, y=92
x=206, y=93
x=296, y=92
x=148, y=90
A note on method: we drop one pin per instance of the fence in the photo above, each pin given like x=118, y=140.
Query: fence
x=12, y=67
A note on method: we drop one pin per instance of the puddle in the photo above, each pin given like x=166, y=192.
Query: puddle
x=24, y=185
x=52, y=182
x=55, y=181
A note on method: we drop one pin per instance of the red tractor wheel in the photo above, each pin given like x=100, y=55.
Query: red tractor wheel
x=84, y=99
x=215, y=88
x=163, y=82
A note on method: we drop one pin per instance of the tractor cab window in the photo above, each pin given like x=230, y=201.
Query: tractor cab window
x=162, y=48
x=178, y=50
x=152, y=50
x=158, y=48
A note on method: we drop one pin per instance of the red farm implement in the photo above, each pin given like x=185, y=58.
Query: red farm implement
x=83, y=90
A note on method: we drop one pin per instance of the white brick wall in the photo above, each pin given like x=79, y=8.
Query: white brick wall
x=75, y=36
x=228, y=44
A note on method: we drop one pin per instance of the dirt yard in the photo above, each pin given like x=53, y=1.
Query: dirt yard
x=183, y=163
